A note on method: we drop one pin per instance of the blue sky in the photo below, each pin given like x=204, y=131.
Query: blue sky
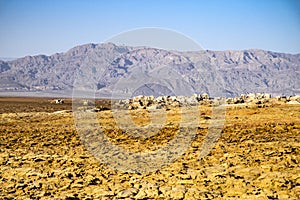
x=48, y=26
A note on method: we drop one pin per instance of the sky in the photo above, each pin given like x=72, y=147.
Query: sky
x=34, y=27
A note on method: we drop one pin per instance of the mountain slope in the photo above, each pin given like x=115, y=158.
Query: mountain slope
x=122, y=69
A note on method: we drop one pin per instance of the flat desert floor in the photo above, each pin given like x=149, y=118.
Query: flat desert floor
x=42, y=155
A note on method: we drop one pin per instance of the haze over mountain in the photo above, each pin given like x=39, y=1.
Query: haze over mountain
x=108, y=68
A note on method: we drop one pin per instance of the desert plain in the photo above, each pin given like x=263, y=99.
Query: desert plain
x=42, y=155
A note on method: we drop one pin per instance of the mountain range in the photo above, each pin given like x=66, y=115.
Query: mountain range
x=108, y=69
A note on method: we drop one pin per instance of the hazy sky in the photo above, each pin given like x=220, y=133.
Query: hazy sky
x=30, y=27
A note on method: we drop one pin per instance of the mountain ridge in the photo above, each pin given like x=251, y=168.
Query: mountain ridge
x=219, y=73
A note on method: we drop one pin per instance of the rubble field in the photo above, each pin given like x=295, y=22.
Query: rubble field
x=42, y=155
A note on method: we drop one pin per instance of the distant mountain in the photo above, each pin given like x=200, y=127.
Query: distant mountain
x=7, y=59
x=108, y=68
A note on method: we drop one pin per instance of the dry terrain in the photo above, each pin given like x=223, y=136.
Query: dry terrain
x=43, y=157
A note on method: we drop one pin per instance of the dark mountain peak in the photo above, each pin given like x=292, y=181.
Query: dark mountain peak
x=4, y=66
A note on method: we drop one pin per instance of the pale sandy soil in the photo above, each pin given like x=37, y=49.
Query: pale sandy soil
x=43, y=157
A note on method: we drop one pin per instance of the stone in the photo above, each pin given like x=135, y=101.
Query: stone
x=141, y=195
x=127, y=193
x=75, y=185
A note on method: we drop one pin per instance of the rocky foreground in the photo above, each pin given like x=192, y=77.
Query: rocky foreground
x=257, y=157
